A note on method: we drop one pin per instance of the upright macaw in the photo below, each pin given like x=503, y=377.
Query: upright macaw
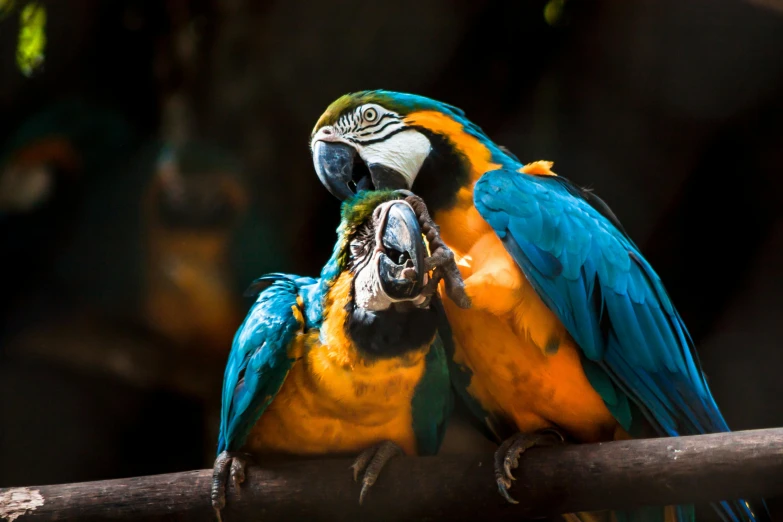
x=570, y=331
x=350, y=362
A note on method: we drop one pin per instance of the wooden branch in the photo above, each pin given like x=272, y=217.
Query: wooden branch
x=550, y=480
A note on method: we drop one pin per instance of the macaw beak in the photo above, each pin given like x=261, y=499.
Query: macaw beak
x=401, y=267
x=343, y=172
x=334, y=165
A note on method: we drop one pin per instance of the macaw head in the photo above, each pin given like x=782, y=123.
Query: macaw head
x=376, y=282
x=381, y=245
x=374, y=140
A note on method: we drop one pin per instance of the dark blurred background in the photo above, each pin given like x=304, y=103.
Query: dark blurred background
x=154, y=160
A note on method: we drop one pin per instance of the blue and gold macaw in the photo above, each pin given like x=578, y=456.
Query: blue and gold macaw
x=570, y=333
x=350, y=362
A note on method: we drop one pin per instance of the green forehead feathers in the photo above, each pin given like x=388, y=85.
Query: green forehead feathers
x=349, y=102
x=359, y=208
x=354, y=213
x=399, y=102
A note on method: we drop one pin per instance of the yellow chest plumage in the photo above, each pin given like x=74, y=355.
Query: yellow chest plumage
x=336, y=401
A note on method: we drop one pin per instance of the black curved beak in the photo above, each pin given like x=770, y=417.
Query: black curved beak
x=402, y=261
x=343, y=172
x=334, y=165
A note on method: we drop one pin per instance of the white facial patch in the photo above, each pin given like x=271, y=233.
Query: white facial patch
x=404, y=152
x=368, y=290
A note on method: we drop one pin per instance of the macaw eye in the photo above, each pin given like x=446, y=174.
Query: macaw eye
x=370, y=115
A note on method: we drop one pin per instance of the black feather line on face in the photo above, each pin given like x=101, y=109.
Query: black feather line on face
x=361, y=246
x=364, y=132
x=377, y=140
x=384, y=116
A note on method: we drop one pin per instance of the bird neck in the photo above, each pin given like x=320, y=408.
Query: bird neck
x=461, y=154
x=357, y=336
x=461, y=225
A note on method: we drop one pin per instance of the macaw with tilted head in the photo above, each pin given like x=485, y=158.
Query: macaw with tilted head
x=350, y=362
x=570, y=334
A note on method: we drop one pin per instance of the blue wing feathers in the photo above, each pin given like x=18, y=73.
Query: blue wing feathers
x=259, y=359
x=541, y=260
x=638, y=354
x=569, y=269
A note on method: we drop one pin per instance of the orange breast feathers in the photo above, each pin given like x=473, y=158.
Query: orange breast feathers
x=525, y=365
x=336, y=401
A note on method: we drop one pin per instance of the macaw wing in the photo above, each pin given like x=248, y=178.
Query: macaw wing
x=637, y=353
x=260, y=356
x=592, y=276
x=432, y=400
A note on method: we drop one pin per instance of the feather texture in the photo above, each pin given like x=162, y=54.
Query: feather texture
x=638, y=354
x=269, y=342
x=259, y=359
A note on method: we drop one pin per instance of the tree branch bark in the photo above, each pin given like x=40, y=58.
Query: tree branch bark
x=581, y=477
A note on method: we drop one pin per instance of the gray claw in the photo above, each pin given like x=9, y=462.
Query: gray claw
x=503, y=489
x=507, y=455
x=227, y=463
x=373, y=459
x=237, y=473
x=441, y=259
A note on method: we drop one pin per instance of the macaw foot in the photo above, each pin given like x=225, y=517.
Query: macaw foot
x=507, y=455
x=236, y=462
x=441, y=259
x=371, y=461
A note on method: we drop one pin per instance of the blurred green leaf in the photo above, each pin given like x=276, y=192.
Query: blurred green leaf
x=32, y=37
x=6, y=6
x=553, y=11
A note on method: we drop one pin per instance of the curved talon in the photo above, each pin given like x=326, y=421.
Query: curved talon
x=237, y=473
x=507, y=455
x=508, y=465
x=227, y=463
x=366, y=485
x=502, y=476
x=361, y=462
x=503, y=488
x=371, y=461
